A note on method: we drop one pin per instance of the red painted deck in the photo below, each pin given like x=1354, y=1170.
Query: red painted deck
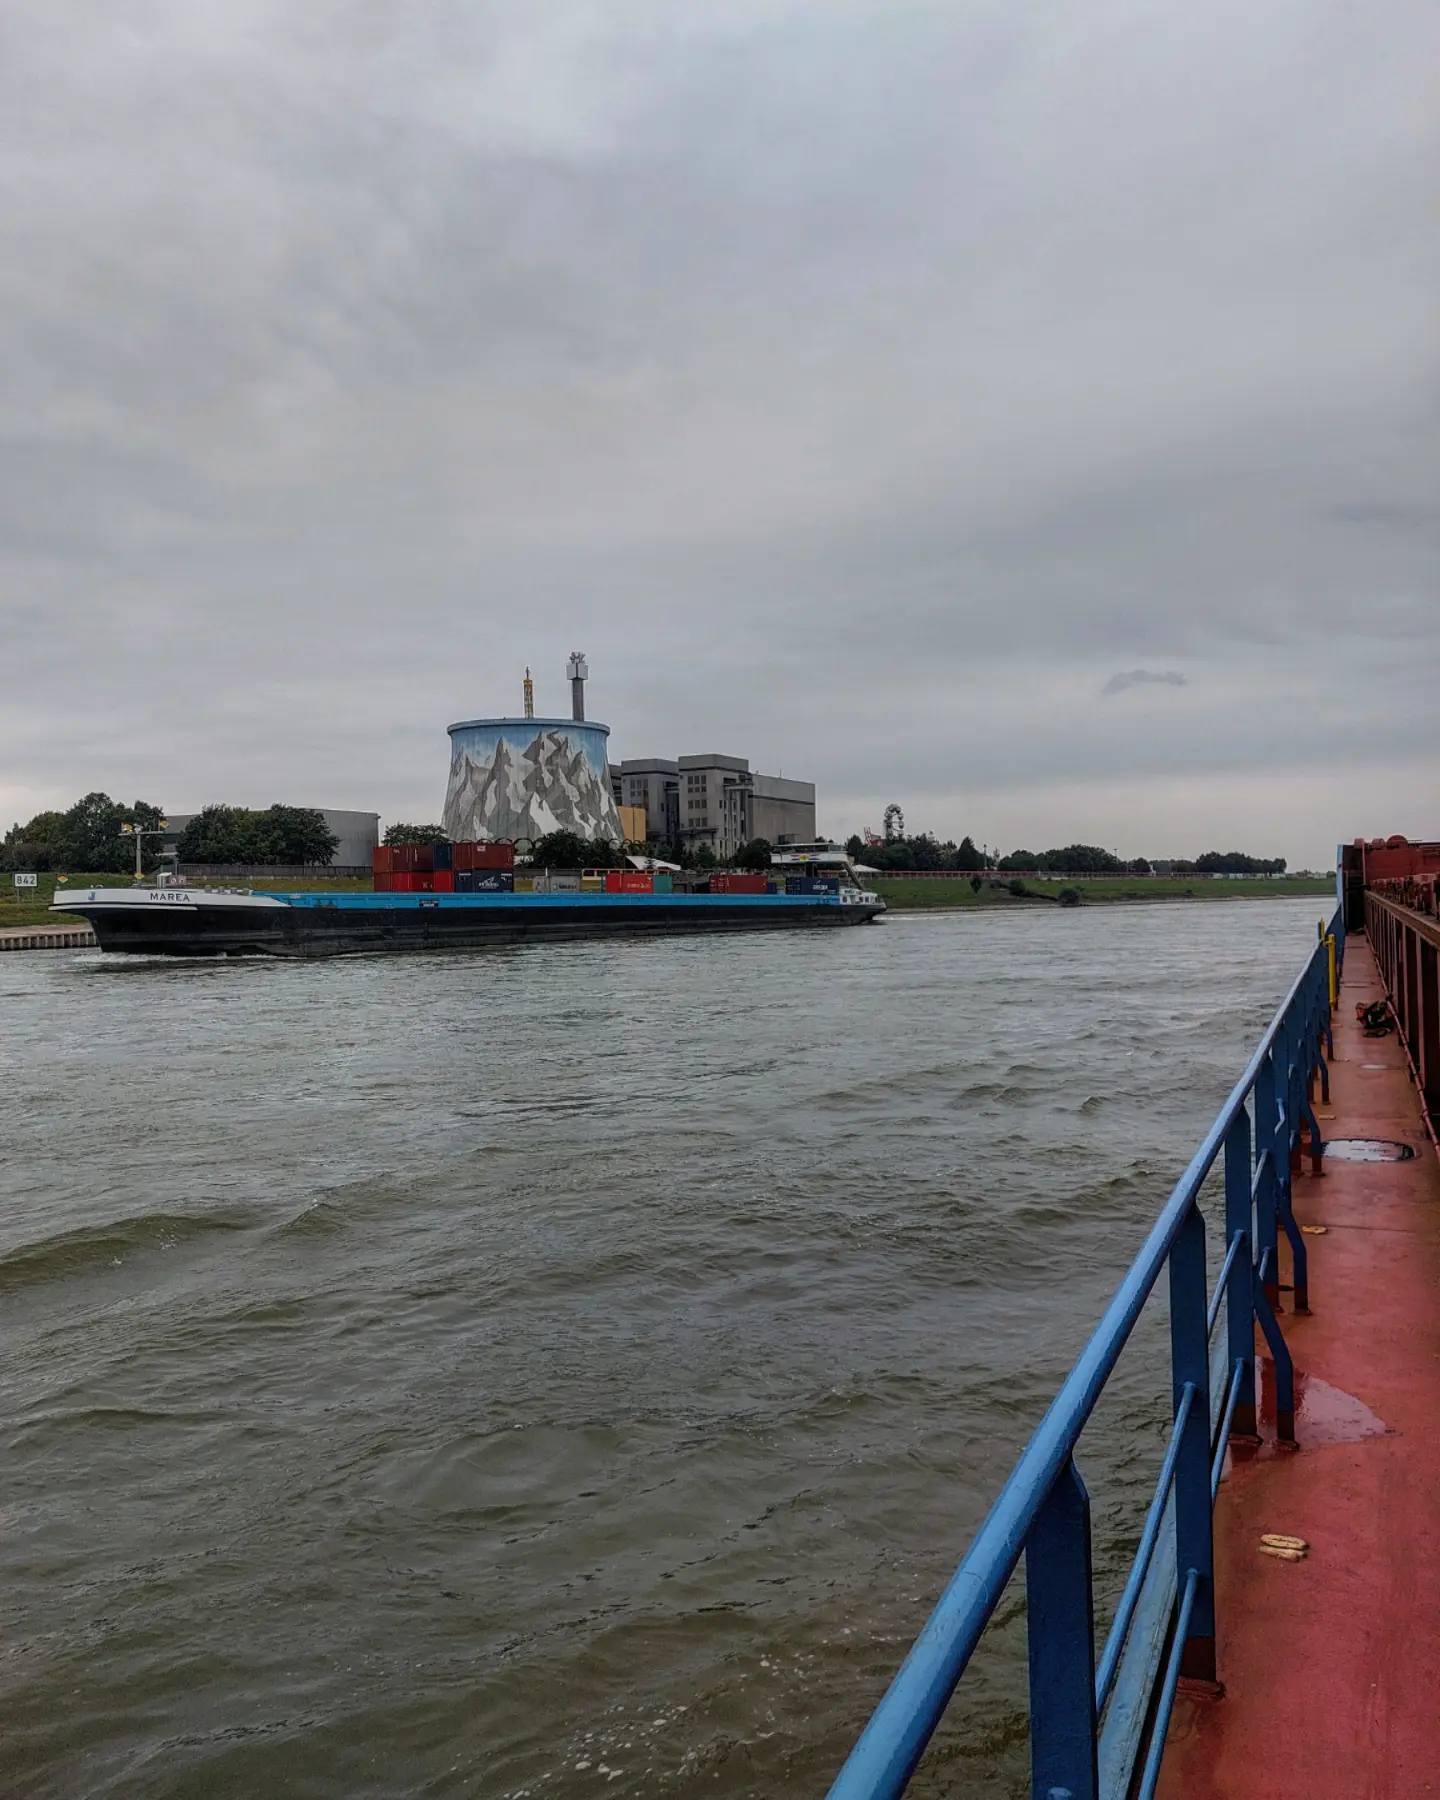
x=1331, y=1666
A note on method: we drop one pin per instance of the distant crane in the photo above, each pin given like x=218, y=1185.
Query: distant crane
x=529, y=696
x=894, y=826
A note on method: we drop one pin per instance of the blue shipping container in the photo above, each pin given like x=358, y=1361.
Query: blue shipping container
x=484, y=881
x=444, y=856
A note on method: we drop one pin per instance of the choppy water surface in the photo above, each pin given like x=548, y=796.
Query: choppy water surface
x=574, y=1369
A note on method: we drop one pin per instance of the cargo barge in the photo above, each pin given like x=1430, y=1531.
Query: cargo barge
x=178, y=921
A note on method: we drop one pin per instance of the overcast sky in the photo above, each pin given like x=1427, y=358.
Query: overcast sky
x=1027, y=413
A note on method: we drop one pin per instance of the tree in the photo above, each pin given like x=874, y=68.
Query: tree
x=1081, y=859
x=86, y=838
x=1019, y=859
x=855, y=848
x=415, y=834
x=1137, y=866
x=293, y=834
x=1236, y=862
x=280, y=834
x=969, y=855
x=755, y=855
x=705, y=858
x=567, y=850
x=36, y=845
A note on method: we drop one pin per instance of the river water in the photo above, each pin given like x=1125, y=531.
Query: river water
x=573, y=1369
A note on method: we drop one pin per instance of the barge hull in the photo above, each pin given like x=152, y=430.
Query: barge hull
x=300, y=926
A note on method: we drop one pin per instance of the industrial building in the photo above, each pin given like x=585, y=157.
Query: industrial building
x=520, y=779
x=715, y=800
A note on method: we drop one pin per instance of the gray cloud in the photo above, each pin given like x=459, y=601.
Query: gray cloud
x=1129, y=678
x=861, y=385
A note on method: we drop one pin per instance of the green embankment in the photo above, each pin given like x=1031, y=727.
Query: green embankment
x=948, y=891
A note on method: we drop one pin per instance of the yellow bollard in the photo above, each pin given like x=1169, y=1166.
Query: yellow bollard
x=1330, y=955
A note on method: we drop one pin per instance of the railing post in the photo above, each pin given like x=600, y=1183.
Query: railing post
x=1267, y=1133
x=1061, y=1622
x=1190, y=1367
x=1240, y=1291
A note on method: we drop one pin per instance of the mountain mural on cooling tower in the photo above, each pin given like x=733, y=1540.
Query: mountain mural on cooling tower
x=548, y=786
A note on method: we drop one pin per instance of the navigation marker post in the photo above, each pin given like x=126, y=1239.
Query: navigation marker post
x=140, y=833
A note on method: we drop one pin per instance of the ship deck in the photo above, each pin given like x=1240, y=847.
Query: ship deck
x=1329, y=1664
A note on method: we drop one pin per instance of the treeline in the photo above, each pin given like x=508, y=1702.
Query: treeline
x=927, y=853
x=278, y=834
x=1089, y=859
x=567, y=850
x=87, y=838
x=921, y=852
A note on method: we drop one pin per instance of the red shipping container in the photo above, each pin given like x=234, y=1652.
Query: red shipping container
x=443, y=881
x=462, y=857
x=737, y=884
x=382, y=880
x=492, y=856
x=403, y=859
x=383, y=860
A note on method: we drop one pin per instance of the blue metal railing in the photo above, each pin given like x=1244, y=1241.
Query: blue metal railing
x=1087, y=1725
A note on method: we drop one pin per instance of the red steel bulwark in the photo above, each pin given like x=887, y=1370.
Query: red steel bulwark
x=1331, y=1661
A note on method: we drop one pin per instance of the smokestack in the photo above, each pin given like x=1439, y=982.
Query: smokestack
x=579, y=672
x=529, y=696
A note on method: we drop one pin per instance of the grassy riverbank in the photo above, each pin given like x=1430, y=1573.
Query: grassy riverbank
x=903, y=895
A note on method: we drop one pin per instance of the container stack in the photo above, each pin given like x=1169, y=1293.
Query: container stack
x=812, y=884
x=727, y=883
x=444, y=868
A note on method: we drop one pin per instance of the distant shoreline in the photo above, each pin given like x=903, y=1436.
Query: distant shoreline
x=956, y=894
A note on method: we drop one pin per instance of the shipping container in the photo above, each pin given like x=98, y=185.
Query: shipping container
x=381, y=880
x=383, y=860
x=812, y=884
x=629, y=881
x=443, y=880
x=664, y=884
x=402, y=882
x=727, y=883
x=492, y=856
x=440, y=857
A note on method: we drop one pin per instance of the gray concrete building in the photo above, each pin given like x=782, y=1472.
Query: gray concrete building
x=654, y=783
x=715, y=800
x=782, y=811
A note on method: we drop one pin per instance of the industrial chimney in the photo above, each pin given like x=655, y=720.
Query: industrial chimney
x=579, y=672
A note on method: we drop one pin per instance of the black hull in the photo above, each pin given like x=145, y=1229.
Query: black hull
x=351, y=931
